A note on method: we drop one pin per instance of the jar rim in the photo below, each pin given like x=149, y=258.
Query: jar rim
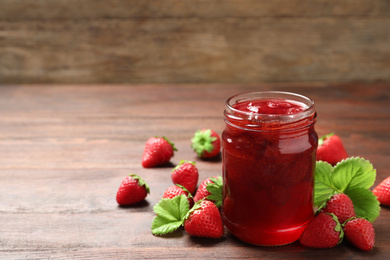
x=260, y=117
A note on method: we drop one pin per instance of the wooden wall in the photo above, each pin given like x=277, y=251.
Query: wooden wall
x=194, y=41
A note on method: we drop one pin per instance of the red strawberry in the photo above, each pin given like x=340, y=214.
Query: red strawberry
x=158, y=150
x=204, y=220
x=206, y=143
x=360, y=232
x=174, y=191
x=382, y=192
x=133, y=189
x=331, y=149
x=340, y=205
x=211, y=189
x=186, y=174
x=324, y=231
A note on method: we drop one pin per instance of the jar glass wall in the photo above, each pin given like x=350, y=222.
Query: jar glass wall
x=269, y=147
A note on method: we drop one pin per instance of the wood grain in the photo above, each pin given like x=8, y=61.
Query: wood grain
x=65, y=150
x=235, y=41
x=92, y=9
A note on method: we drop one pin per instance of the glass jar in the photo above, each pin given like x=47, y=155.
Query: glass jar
x=269, y=148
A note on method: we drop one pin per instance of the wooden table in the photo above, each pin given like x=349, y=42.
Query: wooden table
x=65, y=150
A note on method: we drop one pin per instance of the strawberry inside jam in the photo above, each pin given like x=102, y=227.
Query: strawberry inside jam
x=268, y=170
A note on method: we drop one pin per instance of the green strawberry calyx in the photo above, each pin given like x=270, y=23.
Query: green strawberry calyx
x=181, y=163
x=338, y=227
x=183, y=188
x=196, y=206
x=141, y=182
x=166, y=139
x=203, y=141
x=322, y=139
x=215, y=188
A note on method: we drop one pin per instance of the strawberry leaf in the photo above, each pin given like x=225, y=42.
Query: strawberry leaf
x=170, y=214
x=353, y=173
x=365, y=203
x=323, y=187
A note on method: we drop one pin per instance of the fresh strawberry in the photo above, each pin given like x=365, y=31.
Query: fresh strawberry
x=324, y=231
x=360, y=232
x=186, y=174
x=133, y=189
x=382, y=192
x=204, y=220
x=176, y=190
x=210, y=189
x=158, y=150
x=331, y=149
x=340, y=205
x=206, y=143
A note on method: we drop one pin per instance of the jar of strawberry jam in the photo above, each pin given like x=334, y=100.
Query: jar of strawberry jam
x=269, y=148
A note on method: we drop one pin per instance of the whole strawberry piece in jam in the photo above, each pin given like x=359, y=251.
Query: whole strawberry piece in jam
x=176, y=190
x=206, y=143
x=133, y=189
x=324, y=231
x=340, y=205
x=186, y=174
x=360, y=232
x=331, y=149
x=158, y=151
x=210, y=189
x=382, y=192
x=204, y=220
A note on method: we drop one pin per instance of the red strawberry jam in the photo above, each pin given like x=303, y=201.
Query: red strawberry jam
x=269, y=147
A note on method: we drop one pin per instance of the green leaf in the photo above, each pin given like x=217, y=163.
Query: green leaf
x=353, y=173
x=216, y=190
x=323, y=186
x=161, y=226
x=365, y=203
x=170, y=214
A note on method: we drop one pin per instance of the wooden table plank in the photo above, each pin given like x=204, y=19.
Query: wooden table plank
x=65, y=150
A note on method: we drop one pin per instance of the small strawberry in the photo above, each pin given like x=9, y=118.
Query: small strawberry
x=158, y=150
x=204, y=220
x=360, y=232
x=340, y=205
x=331, y=149
x=186, y=174
x=210, y=189
x=133, y=189
x=206, y=143
x=176, y=190
x=382, y=192
x=324, y=231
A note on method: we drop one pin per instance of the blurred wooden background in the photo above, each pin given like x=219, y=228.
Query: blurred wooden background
x=194, y=41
